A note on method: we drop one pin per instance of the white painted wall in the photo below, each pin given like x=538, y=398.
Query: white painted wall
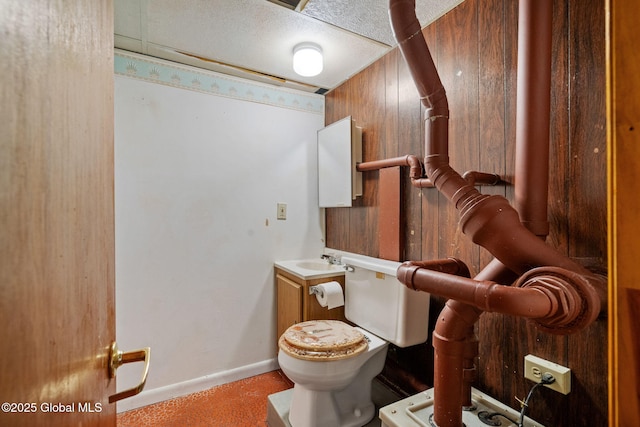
x=198, y=177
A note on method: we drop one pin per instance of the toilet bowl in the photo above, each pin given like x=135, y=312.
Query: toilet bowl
x=332, y=364
x=332, y=384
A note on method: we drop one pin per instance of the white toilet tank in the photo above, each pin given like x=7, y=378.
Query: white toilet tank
x=376, y=301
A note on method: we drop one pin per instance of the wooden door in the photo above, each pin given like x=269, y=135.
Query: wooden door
x=56, y=212
x=623, y=141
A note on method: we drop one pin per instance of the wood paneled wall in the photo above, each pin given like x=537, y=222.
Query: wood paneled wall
x=475, y=49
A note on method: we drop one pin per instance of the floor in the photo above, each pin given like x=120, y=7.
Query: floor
x=238, y=404
x=278, y=405
x=250, y=402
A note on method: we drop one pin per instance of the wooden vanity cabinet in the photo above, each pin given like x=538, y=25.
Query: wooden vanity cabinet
x=295, y=305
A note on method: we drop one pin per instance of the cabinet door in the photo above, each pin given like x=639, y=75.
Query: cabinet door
x=289, y=303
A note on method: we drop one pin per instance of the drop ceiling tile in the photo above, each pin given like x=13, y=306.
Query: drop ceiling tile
x=258, y=35
x=127, y=18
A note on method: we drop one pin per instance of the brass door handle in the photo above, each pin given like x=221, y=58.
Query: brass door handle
x=118, y=358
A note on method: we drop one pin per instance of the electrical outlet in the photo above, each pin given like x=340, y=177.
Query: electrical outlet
x=282, y=211
x=535, y=367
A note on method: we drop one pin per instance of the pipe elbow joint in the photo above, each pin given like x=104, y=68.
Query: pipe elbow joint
x=415, y=167
x=405, y=274
x=573, y=300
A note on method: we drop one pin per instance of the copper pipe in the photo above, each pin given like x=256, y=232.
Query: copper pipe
x=422, y=183
x=455, y=347
x=454, y=329
x=497, y=272
x=495, y=225
x=552, y=296
x=476, y=210
x=449, y=265
x=481, y=178
x=416, y=171
x=532, y=114
x=413, y=162
x=492, y=223
x=412, y=45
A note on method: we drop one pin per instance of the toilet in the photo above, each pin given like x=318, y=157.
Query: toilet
x=332, y=363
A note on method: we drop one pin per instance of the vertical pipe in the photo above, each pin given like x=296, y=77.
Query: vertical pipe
x=533, y=114
x=453, y=340
x=413, y=46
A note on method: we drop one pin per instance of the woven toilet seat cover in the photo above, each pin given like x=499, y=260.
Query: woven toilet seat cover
x=322, y=339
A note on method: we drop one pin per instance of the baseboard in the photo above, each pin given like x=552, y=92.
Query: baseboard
x=160, y=394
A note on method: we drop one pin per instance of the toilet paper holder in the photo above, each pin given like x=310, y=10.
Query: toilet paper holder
x=330, y=294
x=316, y=290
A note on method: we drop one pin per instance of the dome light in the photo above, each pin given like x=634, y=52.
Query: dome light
x=307, y=59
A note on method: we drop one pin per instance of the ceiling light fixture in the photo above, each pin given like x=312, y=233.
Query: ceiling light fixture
x=307, y=59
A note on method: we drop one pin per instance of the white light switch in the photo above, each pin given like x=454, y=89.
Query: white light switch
x=282, y=211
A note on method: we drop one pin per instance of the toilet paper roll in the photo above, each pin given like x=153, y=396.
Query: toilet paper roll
x=329, y=295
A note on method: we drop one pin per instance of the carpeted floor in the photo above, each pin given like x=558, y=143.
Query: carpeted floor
x=238, y=404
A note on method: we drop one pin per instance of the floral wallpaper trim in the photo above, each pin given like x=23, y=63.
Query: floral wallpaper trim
x=200, y=80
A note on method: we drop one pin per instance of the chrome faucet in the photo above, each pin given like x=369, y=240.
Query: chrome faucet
x=331, y=259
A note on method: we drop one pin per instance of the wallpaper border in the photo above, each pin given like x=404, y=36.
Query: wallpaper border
x=191, y=78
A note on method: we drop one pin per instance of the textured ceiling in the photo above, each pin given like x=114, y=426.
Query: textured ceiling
x=255, y=38
x=370, y=18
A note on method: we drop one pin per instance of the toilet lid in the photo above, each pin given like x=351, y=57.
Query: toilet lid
x=322, y=339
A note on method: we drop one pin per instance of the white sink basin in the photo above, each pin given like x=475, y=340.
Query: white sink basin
x=312, y=268
x=317, y=265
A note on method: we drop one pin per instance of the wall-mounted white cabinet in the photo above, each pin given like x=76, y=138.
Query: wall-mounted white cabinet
x=339, y=152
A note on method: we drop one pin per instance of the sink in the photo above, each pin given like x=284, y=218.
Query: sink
x=310, y=268
x=317, y=265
